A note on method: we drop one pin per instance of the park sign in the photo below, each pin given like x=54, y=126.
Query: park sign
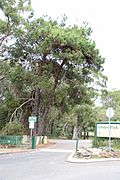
x=31, y=125
x=32, y=120
x=103, y=129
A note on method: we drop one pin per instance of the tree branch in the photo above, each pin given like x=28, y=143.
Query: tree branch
x=59, y=73
x=19, y=108
x=1, y=78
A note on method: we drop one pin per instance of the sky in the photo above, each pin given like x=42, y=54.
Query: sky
x=103, y=18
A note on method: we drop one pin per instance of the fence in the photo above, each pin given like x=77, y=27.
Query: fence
x=11, y=140
x=22, y=141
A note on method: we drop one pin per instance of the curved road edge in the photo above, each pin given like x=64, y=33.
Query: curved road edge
x=71, y=159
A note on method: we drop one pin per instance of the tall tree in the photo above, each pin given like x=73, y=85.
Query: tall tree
x=50, y=63
x=57, y=55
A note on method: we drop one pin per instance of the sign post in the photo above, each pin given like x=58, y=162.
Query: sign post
x=109, y=114
x=32, y=120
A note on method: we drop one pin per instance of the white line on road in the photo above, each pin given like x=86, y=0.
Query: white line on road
x=56, y=150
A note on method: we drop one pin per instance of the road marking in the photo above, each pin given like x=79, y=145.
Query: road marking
x=56, y=150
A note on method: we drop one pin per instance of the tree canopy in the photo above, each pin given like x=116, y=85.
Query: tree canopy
x=45, y=65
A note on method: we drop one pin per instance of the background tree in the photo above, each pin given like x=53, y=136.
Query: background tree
x=112, y=99
x=12, y=13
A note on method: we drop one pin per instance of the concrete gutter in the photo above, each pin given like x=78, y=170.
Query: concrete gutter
x=71, y=159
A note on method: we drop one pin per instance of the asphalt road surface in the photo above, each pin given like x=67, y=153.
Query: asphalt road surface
x=52, y=165
x=70, y=144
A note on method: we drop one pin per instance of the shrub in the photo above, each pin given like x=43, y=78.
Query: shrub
x=116, y=143
x=103, y=142
x=100, y=142
x=13, y=128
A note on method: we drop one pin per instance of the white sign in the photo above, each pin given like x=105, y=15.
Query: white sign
x=103, y=130
x=31, y=125
x=110, y=112
x=32, y=118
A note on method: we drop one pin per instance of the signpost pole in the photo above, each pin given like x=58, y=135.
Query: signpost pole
x=109, y=114
x=109, y=136
x=95, y=135
x=31, y=135
x=32, y=120
x=77, y=144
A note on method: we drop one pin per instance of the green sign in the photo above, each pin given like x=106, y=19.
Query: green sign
x=32, y=118
x=103, y=129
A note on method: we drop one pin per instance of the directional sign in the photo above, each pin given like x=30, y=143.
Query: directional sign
x=32, y=118
x=110, y=112
x=31, y=125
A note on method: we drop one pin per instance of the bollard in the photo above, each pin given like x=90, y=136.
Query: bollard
x=45, y=140
x=33, y=142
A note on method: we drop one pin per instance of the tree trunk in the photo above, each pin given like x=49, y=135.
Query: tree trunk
x=75, y=132
x=84, y=133
x=42, y=124
x=52, y=127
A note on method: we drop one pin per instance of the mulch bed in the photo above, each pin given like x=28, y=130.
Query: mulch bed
x=102, y=153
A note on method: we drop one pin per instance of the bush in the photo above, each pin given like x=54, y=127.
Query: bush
x=103, y=142
x=116, y=143
x=13, y=128
x=100, y=142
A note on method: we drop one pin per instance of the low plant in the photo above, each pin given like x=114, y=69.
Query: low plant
x=14, y=128
x=116, y=143
x=104, y=142
x=100, y=142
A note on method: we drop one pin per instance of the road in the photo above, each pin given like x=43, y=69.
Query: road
x=51, y=165
x=70, y=144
